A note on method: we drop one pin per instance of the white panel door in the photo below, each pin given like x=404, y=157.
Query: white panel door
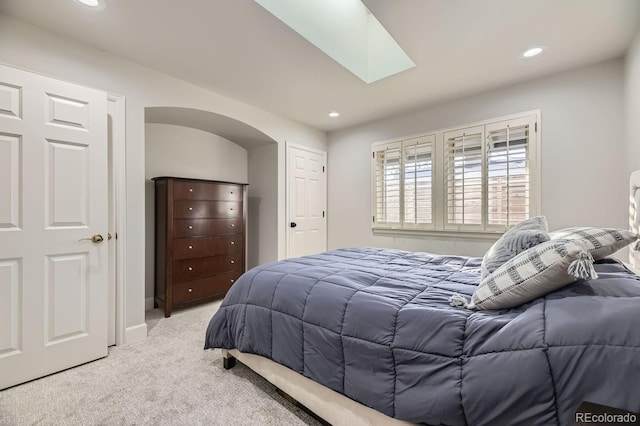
x=306, y=182
x=53, y=193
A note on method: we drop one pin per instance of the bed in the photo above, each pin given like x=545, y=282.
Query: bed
x=369, y=336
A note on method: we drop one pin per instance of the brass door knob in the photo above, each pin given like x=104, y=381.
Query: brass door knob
x=97, y=238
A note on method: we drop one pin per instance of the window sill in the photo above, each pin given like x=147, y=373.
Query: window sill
x=480, y=235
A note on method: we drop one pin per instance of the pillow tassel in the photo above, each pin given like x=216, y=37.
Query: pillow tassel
x=459, y=301
x=582, y=268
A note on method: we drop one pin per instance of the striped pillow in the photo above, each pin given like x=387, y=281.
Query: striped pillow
x=531, y=274
x=601, y=242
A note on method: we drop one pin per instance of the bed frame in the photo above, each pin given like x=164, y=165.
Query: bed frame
x=338, y=409
x=325, y=403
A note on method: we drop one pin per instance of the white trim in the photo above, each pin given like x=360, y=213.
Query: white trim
x=118, y=107
x=135, y=333
x=288, y=146
x=149, y=304
x=484, y=235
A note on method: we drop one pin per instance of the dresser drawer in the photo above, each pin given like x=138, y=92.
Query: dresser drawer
x=195, y=209
x=206, y=191
x=187, y=248
x=202, y=227
x=207, y=287
x=201, y=267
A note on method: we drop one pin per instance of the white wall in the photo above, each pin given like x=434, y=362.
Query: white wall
x=632, y=104
x=582, y=136
x=41, y=51
x=263, y=196
x=184, y=152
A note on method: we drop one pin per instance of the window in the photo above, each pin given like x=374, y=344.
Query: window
x=508, y=172
x=478, y=178
x=464, y=189
x=403, y=183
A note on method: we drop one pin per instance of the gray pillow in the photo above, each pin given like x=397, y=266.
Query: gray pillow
x=531, y=274
x=526, y=234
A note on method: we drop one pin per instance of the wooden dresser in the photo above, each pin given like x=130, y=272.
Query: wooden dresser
x=200, y=240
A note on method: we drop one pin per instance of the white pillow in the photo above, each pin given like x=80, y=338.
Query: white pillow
x=601, y=242
x=531, y=274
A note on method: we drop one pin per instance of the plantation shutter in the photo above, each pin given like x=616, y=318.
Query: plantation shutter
x=418, y=170
x=479, y=178
x=508, y=171
x=464, y=177
x=388, y=163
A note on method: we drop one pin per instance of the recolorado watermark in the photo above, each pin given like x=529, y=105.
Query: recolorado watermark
x=589, y=413
x=607, y=418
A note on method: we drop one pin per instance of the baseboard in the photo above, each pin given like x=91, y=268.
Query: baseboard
x=148, y=304
x=135, y=333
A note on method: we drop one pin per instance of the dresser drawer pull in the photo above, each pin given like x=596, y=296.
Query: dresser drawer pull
x=190, y=227
x=233, y=281
x=231, y=192
x=233, y=243
x=233, y=225
x=190, y=290
x=190, y=209
x=190, y=189
x=231, y=209
x=190, y=268
x=190, y=247
x=233, y=261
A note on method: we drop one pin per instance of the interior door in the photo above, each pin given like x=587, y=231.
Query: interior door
x=53, y=199
x=306, y=182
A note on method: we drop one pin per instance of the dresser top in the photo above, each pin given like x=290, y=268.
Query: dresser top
x=160, y=178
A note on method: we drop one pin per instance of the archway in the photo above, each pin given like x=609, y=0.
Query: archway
x=187, y=142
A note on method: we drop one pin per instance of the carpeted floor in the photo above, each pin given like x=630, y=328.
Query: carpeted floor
x=166, y=379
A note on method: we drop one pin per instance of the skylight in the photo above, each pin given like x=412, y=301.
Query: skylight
x=347, y=32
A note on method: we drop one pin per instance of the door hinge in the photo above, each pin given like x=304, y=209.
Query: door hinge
x=536, y=127
x=323, y=213
x=373, y=218
x=373, y=155
x=322, y=169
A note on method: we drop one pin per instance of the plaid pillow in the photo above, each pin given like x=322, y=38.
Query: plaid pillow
x=520, y=237
x=531, y=274
x=601, y=242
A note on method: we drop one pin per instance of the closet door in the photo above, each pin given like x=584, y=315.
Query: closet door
x=306, y=201
x=53, y=224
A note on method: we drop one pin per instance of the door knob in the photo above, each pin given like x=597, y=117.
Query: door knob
x=97, y=238
x=293, y=224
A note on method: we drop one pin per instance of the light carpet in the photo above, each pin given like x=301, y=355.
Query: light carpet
x=165, y=379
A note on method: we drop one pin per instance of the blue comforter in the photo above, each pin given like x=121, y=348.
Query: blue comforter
x=376, y=325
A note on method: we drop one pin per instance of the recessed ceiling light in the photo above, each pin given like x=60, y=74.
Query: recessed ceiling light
x=532, y=51
x=334, y=114
x=92, y=3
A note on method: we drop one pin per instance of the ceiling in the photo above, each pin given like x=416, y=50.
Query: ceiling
x=238, y=49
